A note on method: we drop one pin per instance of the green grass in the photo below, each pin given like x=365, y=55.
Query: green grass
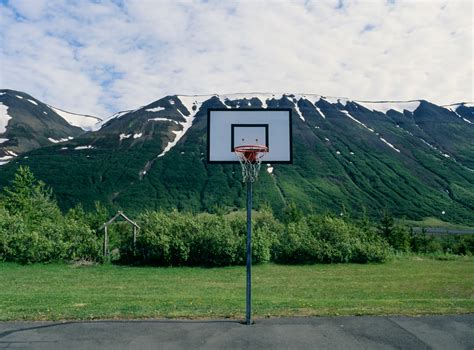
x=406, y=285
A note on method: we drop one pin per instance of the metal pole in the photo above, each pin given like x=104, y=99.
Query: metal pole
x=248, y=317
x=106, y=241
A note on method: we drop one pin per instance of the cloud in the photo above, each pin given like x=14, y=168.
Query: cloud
x=101, y=57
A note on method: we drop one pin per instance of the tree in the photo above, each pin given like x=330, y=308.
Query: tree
x=29, y=197
x=292, y=213
x=397, y=236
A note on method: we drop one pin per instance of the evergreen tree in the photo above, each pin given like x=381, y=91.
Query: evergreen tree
x=397, y=236
x=30, y=198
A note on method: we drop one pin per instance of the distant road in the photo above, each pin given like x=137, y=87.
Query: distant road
x=398, y=332
x=439, y=231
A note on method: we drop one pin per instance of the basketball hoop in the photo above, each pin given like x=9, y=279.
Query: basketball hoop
x=250, y=158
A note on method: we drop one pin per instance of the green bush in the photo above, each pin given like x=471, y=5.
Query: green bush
x=265, y=232
x=326, y=239
x=170, y=239
x=81, y=243
x=165, y=239
x=456, y=244
x=215, y=244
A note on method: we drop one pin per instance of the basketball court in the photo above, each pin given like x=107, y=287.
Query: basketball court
x=425, y=332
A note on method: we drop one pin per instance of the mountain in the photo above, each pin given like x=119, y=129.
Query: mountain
x=27, y=123
x=414, y=158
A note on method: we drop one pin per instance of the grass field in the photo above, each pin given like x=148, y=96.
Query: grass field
x=406, y=285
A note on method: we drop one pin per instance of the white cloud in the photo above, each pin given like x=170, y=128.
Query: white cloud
x=98, y=58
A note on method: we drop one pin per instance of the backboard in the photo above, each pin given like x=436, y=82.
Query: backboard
x=229, y=128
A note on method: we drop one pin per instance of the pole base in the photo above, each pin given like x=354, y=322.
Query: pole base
x=247, y=323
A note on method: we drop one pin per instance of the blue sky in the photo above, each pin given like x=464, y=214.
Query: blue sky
x=99, y=57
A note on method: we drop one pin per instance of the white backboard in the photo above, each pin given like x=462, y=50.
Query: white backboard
x=228, y=128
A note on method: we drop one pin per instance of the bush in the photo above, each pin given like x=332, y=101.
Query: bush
x=81, y=242
x=165, y=239
x=170, y=239
x=457, y=244
x=216, y=244
x=265, y=232
x=327, y=239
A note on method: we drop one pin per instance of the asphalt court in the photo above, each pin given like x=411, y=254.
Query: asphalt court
x=357, y=332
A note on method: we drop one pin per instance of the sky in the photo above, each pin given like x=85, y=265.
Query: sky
x=100, y=57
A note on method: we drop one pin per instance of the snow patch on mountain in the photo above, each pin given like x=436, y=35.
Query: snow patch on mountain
x=59, y=140
x=295, y=101
x=5, y=159
x=20, y=97
x=162, y=120
x=384, y=107
x=192, y=104
x=453, y=108
x=85, y=122
x=320, y=111
x=389, y=144
x=4, y=118
x=265, y=97
x=262, y=97
x=124, y=136
x=179, y=134
x=31, y=101
x=156, y=109
x=313, y=98
x=3, y=140
x=334, y=100
x=357, y=121
x=100, y=124
x=84, y=147
x=428, y=144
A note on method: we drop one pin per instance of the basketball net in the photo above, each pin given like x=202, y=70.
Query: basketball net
x=250, y=158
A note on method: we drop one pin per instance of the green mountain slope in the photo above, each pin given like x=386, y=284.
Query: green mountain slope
x=348, y=156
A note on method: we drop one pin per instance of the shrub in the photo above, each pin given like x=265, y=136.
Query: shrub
x=328, y=239
x=11, y=226
x=265, y=232
x=164, y=239
x=200, y=240
x=216, y=244
x=420, y=242
x=81, y=242
x=457, y=244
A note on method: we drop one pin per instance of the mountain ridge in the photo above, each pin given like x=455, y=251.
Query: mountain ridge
x=414, y=159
